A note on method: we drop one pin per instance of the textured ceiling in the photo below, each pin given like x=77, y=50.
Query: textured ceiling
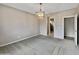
x=47, y=7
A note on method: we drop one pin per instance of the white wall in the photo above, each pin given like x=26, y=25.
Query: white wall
x=16, y=25
x=43, y=26
x=69, y=27
x=59, y=21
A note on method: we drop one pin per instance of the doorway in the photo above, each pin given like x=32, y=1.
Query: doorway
x=69, y=31
x=50, y=31
x=77, y=30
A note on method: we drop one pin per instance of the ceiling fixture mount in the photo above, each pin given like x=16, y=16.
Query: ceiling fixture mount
x=41, y=12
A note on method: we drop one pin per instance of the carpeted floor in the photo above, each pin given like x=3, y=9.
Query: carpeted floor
x=41, y=45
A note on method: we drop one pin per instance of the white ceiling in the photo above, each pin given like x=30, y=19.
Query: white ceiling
x=47, y=7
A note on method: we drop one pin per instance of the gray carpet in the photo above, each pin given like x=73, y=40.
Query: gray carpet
x=41, y=45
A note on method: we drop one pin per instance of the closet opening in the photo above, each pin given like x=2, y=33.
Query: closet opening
x=69, y=31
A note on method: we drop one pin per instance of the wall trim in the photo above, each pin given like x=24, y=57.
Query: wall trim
x=69, y=36
x=69, y=16
x=18, y=40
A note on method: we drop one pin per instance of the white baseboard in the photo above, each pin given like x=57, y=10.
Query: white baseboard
x=43, y=34
x=69, y=36
x=18, y=40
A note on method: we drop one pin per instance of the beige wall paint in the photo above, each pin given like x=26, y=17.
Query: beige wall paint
x=16, y=25
x=59, y=21
x=43, y=26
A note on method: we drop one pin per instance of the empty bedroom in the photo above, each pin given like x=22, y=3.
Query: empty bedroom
x=39, y=28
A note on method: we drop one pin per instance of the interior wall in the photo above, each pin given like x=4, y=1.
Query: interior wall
x=59, y=21
x=69, y=27
x=43, y=26
x=16, y=25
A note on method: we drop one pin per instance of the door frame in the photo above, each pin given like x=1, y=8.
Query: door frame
x=48, y=25
x=73, y=23
x=75, y=27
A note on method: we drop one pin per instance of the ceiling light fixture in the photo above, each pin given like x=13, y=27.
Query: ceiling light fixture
x=41, y=12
